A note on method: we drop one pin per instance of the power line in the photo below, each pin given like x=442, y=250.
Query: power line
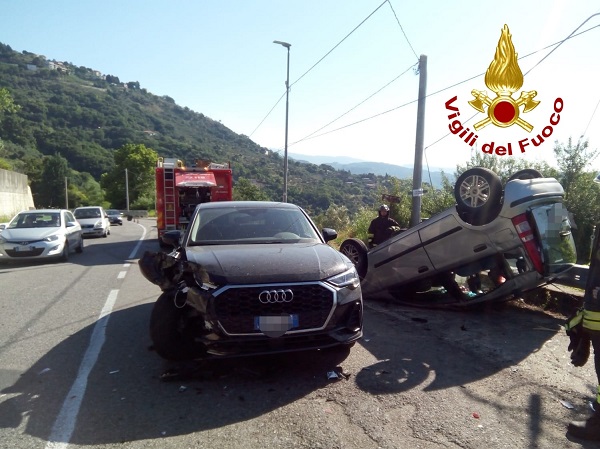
x=402, y=29
x=364, y=120
x=339, y=43
x=354, y=107
x=268, y=113
x=562, y=42
x=315, y=64
x=593, y=113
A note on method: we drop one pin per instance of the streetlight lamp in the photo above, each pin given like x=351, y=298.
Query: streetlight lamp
x=287, y=109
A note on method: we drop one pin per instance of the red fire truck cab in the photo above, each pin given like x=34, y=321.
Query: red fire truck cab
x=179, y=189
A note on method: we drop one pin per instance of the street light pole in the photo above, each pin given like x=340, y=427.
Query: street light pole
x=287, y=110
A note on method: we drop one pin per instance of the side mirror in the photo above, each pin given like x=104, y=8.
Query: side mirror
x=329, y=234
x=172, y=238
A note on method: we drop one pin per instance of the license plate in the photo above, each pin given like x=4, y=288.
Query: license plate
x=21, y=249
x=277, y=325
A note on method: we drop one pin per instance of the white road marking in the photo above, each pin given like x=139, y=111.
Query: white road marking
x=64, y=426
x=139, y=243
x=65, y=422
x=121, y=274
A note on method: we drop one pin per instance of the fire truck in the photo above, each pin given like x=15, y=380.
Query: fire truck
x=179, y=189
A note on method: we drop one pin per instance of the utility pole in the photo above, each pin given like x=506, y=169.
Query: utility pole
x=66, y=193
x=127, y=188
x=417, y=193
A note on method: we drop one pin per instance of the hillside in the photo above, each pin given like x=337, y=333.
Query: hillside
x=84, y=116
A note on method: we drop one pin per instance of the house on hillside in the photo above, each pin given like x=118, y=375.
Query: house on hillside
x=58, y=66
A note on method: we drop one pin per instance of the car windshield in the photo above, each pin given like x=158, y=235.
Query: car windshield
x=87, y=213
x=554, y=228
x=230, y=225
x=36, y=220
x=113, y=212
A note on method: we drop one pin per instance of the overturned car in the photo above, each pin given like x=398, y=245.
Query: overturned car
x=519, y=236
x=249, y=278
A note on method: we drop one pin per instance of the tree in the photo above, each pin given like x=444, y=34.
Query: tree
x=84, y=190
x=244, y=190
x=335, y=217
x=572, y=161
x=7, y=104
x=582, y=195
x=51, y=189
x=135, y=166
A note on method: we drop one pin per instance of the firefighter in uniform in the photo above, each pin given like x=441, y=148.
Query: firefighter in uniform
x=382, y=227
x=584, y=330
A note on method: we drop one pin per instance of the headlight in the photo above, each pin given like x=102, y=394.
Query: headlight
x=346, y=279
x=98, y=224
x=52, y=238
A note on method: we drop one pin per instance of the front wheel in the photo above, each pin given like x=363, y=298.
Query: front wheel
x=79, y=248
x=64, y=257
x=356, y=251
x=170, y=329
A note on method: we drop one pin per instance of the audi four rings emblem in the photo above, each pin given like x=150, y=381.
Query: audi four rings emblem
x=273, y=296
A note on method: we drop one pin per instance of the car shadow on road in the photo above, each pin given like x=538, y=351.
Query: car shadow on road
x=438, y=349
x=126, y=399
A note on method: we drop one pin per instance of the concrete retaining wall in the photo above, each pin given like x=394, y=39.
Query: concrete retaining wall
x=15, y=194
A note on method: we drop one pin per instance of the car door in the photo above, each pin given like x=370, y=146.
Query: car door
x=449, y=244
x=73, y=232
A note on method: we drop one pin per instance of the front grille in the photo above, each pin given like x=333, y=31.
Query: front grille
x=87, y=226
x=236, y=308
x=35, y=252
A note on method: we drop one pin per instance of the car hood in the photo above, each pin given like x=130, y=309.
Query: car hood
x=89, y=221
x=266, y=263
x=28, y=234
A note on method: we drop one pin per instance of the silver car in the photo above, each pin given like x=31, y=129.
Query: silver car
x=519, y=236
x=93, y=220
x=41, y=234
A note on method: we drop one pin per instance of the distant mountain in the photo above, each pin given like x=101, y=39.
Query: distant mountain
x=323, y=159
x=358, y=167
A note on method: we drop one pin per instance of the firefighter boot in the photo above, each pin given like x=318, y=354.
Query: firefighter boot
x=589, y=429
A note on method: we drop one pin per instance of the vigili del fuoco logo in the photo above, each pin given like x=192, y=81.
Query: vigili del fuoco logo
x=504, y=78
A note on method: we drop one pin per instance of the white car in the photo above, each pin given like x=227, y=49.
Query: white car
x=93, y=220
x=39, y=234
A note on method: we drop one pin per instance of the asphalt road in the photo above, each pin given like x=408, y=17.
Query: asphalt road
x=77, y=371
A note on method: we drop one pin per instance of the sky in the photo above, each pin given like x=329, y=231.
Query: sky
x=353, y=75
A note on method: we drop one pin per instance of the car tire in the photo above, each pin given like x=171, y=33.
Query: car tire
x=169, y=330
x=356, y=251
x=528, y=173
x=79, y=248
x=64, y=257
x=478, y=195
